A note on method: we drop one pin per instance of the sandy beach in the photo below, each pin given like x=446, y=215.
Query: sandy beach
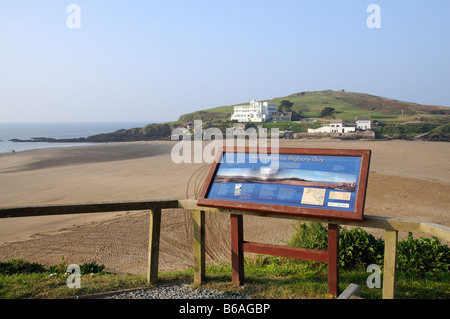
x=408, y=179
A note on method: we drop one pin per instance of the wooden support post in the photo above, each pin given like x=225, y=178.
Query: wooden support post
x=153, y=246
x=237, y=251
x=333, y=257
x=199, y=246
x=390, y=260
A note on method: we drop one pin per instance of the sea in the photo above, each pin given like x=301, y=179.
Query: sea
x=26, y=131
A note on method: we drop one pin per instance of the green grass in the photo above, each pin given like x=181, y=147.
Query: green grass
x=279, y=278
x=265, y=277
x=48, y=285
x=223, y=109
x=51, y=286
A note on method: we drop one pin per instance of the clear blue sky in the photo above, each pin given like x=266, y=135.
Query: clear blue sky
x=156, y=60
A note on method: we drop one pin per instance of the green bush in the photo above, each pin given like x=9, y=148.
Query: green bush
x=20, y=266
x=357, y=248
x=405, y=129
x=59, y=268
x=444, y=130
x=310, y=236
x=424, y=256
x=91, y=267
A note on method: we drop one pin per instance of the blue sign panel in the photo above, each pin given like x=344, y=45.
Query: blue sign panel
x=310, y=181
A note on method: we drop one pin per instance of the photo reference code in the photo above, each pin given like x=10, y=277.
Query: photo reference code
x=234, y=308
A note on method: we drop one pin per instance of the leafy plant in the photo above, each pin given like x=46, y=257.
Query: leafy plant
x=328, y=112
x=59, y=268
x=425, y=256
x=20, y=266
x=405, y=129
x=356, y=246
x=91, y=267
x=359, y=248
x=310, y=236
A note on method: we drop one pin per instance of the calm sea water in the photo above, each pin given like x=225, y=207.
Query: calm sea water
x=25, y=131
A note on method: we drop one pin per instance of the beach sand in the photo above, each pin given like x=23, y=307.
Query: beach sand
x=408, y=179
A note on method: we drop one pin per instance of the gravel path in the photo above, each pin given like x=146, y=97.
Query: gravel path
x=175, y=292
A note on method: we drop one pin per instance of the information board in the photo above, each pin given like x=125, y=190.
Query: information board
x=326, y=183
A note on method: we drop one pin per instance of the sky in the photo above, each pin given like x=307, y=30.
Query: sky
x=156, y=60
x=309, y=175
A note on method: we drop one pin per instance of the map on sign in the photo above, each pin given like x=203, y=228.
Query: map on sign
x=313, y=196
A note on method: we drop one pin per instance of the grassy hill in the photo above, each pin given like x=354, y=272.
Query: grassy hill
x=397, y=119
x=347, y=105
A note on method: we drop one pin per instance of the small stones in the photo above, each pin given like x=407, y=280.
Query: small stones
x=176, y=292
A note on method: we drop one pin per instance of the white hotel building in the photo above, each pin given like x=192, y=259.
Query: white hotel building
x=255, y=112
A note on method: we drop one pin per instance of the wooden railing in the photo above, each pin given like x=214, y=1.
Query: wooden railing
x=391, y=226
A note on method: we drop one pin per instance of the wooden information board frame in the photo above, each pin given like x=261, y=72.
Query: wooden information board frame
x=333, y=202
x=342, y=181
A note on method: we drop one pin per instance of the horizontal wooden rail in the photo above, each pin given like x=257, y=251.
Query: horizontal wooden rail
x=86, y=208
x=283, y=251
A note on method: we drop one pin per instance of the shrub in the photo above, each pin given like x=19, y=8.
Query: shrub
x=59, y=268
x=424, y=255
x=444, y=130
x=310, y=236
x=91, y=267
x=405, y=129
x=357, y=248
x=86, y=268
x=20, y=266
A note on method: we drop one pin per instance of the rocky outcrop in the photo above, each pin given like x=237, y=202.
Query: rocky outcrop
x=360, y=135
x=150, y=132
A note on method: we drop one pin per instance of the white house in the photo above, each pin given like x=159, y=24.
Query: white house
x=255, y=112
x=335, y=126
x=363, y=123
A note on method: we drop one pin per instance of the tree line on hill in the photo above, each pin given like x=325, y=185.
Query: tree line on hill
x=286, y=106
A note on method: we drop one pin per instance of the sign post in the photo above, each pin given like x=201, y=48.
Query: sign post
x=323, y=183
